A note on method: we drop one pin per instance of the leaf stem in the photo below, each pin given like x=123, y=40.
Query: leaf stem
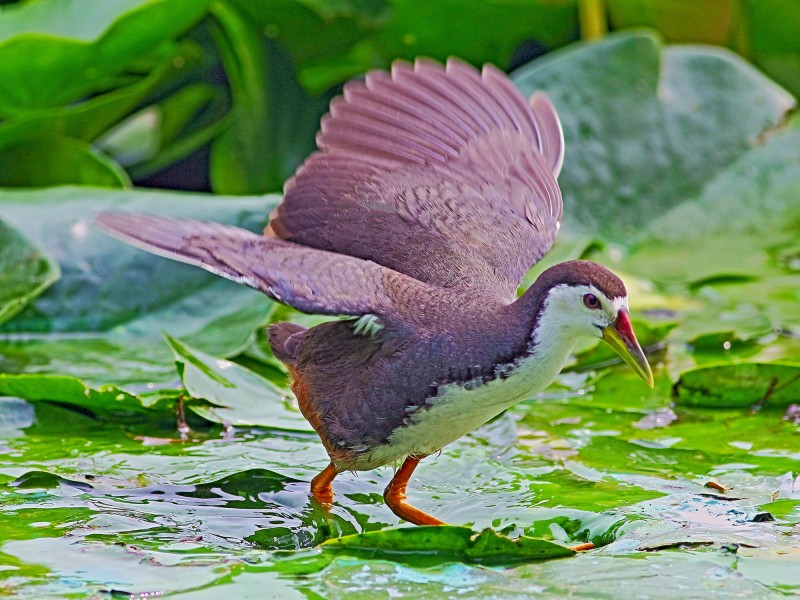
x=592, y=19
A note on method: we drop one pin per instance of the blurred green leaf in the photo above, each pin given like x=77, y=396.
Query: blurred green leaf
x=273, y=121
x=25, y=271
x=237, y=395
x=740, y=385
x=331, y=41
x=45, y=161
x=469, y=29
x=165, y=132
x=88, y=119
x=763, y=31
x=706, y=22
x=49, y=146
x=52, y=53
x=768, y=36
x=319, y=33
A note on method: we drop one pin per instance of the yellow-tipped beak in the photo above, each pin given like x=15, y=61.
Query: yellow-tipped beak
x=623, y=341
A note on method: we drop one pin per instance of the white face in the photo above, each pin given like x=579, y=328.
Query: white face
x=581, y=310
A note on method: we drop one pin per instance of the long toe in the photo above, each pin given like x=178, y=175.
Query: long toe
x=396, y=500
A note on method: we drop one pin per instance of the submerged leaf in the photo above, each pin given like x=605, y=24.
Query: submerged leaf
x=36, y=480
x=445, y=543
x=740, y=385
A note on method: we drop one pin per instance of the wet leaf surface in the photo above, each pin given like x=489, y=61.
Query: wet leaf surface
x=108, y=402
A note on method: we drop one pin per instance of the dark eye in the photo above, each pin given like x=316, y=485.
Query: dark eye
x=591, y=301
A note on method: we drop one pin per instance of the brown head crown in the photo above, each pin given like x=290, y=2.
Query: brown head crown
x=582, y=272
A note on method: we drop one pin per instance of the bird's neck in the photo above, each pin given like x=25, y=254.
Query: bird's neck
x=551, y=337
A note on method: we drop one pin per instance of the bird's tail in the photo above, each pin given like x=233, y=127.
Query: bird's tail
x=285, y=340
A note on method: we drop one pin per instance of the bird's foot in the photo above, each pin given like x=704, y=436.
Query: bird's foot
x=400, y=506
x=321, y=486
x=395, y=496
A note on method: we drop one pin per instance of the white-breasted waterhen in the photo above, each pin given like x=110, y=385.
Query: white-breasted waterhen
x=432, y=193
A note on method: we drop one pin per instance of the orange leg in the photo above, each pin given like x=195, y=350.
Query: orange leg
x=395, y=495
x=321, y=487
x=583, y=547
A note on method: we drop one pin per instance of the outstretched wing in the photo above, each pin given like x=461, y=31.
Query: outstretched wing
x=445, y=174
x=310, y=280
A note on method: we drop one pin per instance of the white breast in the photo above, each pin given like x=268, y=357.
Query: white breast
x=461, y=408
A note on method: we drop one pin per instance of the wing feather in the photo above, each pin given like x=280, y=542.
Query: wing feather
x=445, y=163
x=310, y=280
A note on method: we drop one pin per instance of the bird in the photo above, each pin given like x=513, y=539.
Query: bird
x=432, y=192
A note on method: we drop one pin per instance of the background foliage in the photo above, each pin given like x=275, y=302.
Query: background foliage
x=225, y=95
x=682, y=173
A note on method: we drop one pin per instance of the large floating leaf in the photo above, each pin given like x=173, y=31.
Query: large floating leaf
x=25, y=271
x=447, y=543
x=113, y=300
x=646, y=126
x=740, y=221
x=108, y=402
